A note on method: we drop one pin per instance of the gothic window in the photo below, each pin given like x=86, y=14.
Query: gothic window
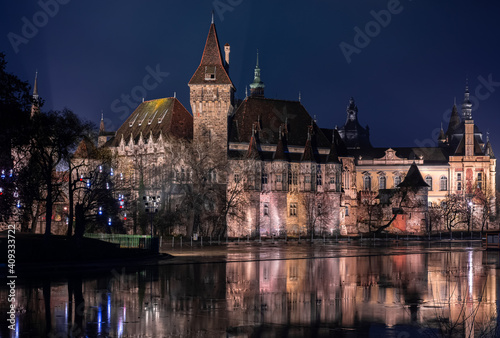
x=443, y=183
x=397, y=181
x=308, y=179
x=367, y=183
x=319, y=209
x=295, y=175
x=237, y=178
x=347, y=211
x=266, y=209
x=332, y=179
x=381, y=182
x=264, y=177
x=428, y=180
x=319, y=178
x=183, y=174
x=289, y=177
x=293, y=209
x=278, y=178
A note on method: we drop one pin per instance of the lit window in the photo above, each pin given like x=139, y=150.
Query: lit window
x=443, y=183
x=428, y=180
x=264, y=178
x=367, y=183
x=381, y=182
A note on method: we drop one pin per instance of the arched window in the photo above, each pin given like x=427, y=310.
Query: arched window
x=367, y=183
x=443, y=183
x=428, y=180
x=381, y=182
x=397, y=181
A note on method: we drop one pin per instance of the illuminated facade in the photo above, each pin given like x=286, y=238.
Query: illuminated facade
x=298, y=178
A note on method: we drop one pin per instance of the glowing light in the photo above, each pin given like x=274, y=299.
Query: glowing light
x=100, y=168
x=109, y=221
x=100, y=210
x=111, y=173
x=18, y=204
x=3, y=174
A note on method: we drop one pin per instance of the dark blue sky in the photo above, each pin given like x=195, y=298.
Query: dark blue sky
x=404, y=79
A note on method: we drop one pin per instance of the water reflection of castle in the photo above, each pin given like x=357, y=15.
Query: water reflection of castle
x=290, y=296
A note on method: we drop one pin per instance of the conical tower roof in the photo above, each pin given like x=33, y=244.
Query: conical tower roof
x=413, y=178
x=211, y=69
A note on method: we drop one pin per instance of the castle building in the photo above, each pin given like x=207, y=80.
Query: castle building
x=290, y=175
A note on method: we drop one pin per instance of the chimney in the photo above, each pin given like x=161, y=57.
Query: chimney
x=227, y=49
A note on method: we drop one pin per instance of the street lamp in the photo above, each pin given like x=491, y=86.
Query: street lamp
x=151, y=204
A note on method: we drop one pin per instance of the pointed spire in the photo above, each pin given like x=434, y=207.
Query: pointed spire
x=101, y=125
x=442, y=136
x=35, y=107
x=308, y=154
x=488, y=150
x=212, y=17
x=467, y=105
x=257, y=86
x=211, y=69
x=35, y=86
x=300, y=96
x=454, y=121
x=280, y=154
x=253, y=147
x=333, y=155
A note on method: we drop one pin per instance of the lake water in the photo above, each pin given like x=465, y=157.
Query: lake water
x=271, y=290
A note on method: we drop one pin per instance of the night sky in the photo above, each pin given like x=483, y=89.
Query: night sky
x=404, y=78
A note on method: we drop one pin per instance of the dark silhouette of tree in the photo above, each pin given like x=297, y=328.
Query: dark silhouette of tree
x=50, y=138
x=15, y=103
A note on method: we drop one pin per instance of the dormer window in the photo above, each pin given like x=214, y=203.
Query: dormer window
x=210, y=73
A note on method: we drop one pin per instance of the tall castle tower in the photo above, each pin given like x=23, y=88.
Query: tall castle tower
x=211, y=94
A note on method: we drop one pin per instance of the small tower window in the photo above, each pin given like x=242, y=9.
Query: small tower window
x=293, y=209
x=266, y=209
x=210, y=73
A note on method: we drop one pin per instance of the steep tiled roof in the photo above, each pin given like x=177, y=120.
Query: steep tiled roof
x=165, y=116
x=454, y=121
x=211, y=62
x=460, y=150
x=253, y=149
x=281, y=153
x=86, y=149
x=413, y=178
x=271, y=114
x=488, y=150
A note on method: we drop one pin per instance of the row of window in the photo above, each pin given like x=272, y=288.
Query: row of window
x=443, y=182
x=293, y=178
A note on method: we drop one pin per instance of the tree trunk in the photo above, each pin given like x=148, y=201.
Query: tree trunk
x=70, y=207
x=48, y=207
